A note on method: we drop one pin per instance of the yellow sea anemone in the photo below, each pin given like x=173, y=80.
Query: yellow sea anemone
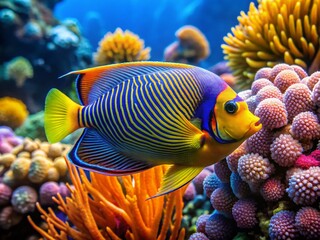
x=277, y=31
x=19, y=69
x=121, y=47
x=13, y=112
x=115, y=208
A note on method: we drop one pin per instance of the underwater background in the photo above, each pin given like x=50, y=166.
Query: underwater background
x=268, y=51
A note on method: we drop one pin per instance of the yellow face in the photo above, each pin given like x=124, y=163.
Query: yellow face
x=232, y=119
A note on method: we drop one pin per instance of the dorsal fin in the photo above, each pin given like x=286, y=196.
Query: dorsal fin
x=93, y=82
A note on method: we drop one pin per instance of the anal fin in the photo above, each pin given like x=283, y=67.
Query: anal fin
x=94, y=153
x=176, y=177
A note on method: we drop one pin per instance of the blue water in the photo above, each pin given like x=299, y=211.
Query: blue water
x=156, y=21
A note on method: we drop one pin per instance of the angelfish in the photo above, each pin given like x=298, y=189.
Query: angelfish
x=141, y=114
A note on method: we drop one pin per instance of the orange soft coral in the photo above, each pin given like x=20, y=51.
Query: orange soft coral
x=192, y=46
x=121, y=47
x=116, y=208
x=277, y=31
x=13, y=112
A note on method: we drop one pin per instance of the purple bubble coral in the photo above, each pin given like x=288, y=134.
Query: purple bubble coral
x=253, y=168
x=316, y=94
x=260, y=83
x=24, y=199
x=282, y=226
x=277, y=69
x=198, y=180
x=313, y=80
x=305, y=126
x=268, y=92
x=222, y=171
x=308, y=223
x=285, y=150
x=201, y=223
x=198, y=236
x=239, y=187
x=219, y=227
x=304, y=186
x=211, y=183
x=233, y=158
x=252, y=103
x=47, y=191
x=260, y=142
x=5, y=194
x=285, y=79
x=244, y=213
x=297, y=99
x=272, y=190
x=300, y=71
x=263, y=73
x=272, y=113
x=222, y=199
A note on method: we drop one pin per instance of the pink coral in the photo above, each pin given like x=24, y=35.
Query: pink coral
x=268, y=92
x=285, y=150
x=252, y=103
x=277, y=69
x=300, y=71
x=244, y=213
x=285, y=79
x=313, y=80
x=47, y=191
x=272, y=113
x=304, y=186
x=316, y=94
x=263, y=73
x=198, y=180
x=272, y=190
x=260, y=83
x=305, y=162
x=253, y=168
x=260, y=142
x=308, y=223
x=297, y=99
x=305, y=126
x=315, y=154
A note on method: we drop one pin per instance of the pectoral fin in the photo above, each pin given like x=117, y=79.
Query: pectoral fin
x=176, y=177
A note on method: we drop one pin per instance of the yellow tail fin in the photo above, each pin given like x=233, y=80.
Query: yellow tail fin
x=60, y=116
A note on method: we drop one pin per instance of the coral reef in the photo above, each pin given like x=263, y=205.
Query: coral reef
x=271, y=33
x=8, y=140
x=276, y=172
x=29, y=173
x=191, y=47
x=115, y=208
x=13, y=112
x=37, y=49
x=120, y=46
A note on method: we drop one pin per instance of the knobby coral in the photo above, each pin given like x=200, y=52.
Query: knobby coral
x=120, y=47
x=19, y=69
x=13, y=112
x=275, y=31
x=108, y=207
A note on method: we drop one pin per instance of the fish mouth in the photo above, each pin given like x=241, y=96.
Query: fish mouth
x=254, y=127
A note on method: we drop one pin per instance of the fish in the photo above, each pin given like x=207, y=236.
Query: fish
x=138, y=115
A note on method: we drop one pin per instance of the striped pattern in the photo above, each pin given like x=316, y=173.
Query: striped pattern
x=146, y=117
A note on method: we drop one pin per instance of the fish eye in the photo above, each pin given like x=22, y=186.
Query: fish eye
x=231, y=107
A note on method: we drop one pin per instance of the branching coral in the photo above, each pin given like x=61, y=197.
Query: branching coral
x=275, y=31
x=120, y=47
x=115, y=208
x=13, y=112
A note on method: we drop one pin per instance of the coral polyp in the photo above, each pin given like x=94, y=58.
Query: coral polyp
x=271, y=33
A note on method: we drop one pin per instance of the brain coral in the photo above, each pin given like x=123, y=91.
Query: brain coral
x=120, y=47
x=13, y=112
x=273, y=32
